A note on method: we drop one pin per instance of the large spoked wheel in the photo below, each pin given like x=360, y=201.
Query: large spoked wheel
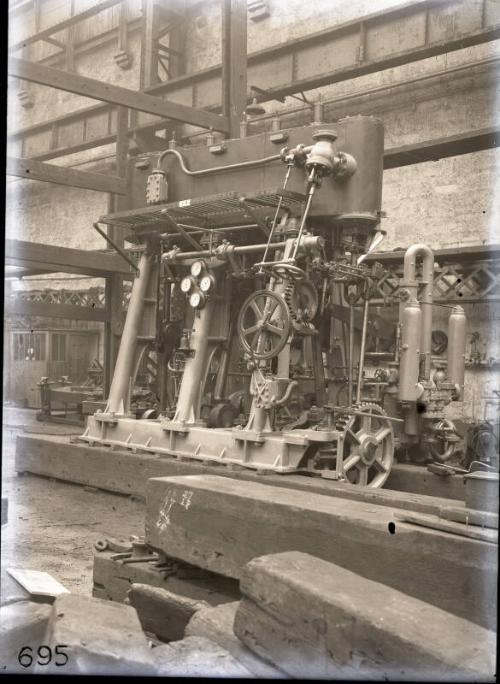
x=264, y=324
x=368, y=449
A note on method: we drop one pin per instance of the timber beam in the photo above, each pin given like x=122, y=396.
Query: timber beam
x=106, y=92
x=54, y=259
x=20, y=307
x=62, y=175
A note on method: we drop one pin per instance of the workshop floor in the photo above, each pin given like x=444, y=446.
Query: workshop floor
x=52, y=525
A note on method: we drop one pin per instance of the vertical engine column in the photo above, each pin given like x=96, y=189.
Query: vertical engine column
x=119, y=393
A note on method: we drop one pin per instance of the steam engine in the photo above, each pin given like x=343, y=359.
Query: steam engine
x=253, y=291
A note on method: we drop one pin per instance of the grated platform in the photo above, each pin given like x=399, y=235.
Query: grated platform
x=210, y=212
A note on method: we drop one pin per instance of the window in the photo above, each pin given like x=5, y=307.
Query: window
x=29, y=346
x=58, y=347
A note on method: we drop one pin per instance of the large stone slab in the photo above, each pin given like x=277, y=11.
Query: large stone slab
x=217, y=623
x=101, y=638
x=127, y=472
x=315, y=619
x=22, y=624
x=221, y=524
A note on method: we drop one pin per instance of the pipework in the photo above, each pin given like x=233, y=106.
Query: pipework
x=411, y=285
x=214, y=169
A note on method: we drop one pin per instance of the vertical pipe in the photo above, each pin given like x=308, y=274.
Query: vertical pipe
x=411, y=324
x=125, y=362
x=457, y=328
x=410, y=262
x=351, y=354
x=362, y=351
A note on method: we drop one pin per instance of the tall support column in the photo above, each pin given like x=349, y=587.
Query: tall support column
x=234, y=62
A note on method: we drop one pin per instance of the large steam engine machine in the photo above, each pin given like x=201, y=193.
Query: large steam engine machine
x=253, y=291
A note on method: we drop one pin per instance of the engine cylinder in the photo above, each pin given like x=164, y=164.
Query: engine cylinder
x=411, y=323
x=457, y=328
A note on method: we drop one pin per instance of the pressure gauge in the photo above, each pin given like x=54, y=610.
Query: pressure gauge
x=207, y=283
x=197, y=268
x=186, y=284
x=197, y=300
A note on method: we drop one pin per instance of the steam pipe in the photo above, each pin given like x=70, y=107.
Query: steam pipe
x=410, y=283
x=457, y=329
x=214, y=169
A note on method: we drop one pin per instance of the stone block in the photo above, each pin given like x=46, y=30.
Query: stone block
x=197, y=657
x=101, y=637
x=22, y=623
x=162, y=612
x=314, y=619
x=216, y=623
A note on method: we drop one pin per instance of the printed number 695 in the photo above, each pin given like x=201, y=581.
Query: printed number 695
x=44, y=654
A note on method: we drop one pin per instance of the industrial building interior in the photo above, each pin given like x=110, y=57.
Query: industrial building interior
x=251, y=345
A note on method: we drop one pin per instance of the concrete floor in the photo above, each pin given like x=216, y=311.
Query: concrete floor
x=52, y=526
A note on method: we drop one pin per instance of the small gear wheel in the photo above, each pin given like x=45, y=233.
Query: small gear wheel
x=301, y=297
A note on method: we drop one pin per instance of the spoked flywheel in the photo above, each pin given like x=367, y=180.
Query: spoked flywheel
x=264, y=324
x=368, y=445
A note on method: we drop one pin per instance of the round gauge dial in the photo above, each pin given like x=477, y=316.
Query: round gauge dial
x=197, y=300
x=197, y=268
x=206, y=283
x=186, y=284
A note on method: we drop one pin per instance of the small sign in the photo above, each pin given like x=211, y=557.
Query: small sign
x=185, y=203
x=37, y=583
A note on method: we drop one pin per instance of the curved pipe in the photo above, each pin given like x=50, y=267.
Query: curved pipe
x=214, y=169
x=410, y=269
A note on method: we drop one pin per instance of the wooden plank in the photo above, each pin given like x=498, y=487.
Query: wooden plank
x=63, y=175
x=343, y=626
x=20, y=307
x=64, y=259
x=106, y=92
x=221, y=524
x=125, y=472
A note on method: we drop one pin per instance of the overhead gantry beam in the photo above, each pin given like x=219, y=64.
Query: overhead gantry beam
x=20, y=307
x=53, y=259
x=116, y=95
x=62, y=175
